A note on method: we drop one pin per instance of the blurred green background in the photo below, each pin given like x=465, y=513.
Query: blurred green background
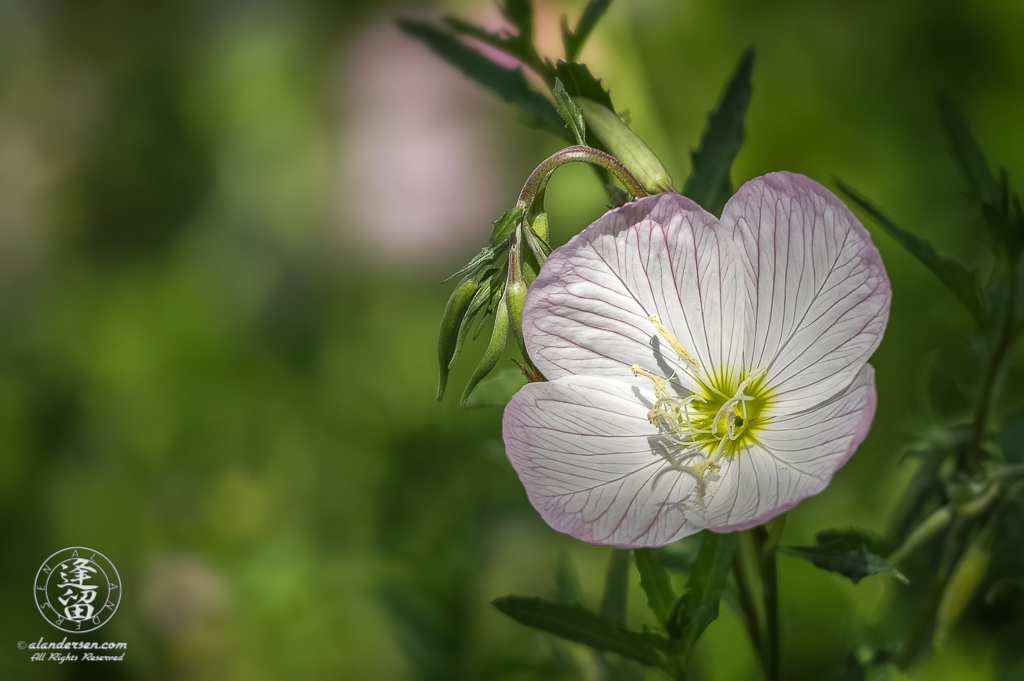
x=223, y=230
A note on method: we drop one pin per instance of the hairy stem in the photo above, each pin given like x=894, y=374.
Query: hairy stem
x=579, y=154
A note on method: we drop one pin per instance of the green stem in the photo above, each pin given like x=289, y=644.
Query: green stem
x=923, y=623
x=1003, y=346
x=770, y=575
x=747, y=605
x=576, y=154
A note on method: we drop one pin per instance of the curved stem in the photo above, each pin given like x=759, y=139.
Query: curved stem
x=579, y=154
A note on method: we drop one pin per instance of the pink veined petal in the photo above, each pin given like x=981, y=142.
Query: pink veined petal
x=585, y=452
x=795, y=458
x=589, y=310
x=817, y=293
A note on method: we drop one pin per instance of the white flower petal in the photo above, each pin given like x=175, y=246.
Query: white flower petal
x=817, y=292
x=582, y=447
x=795, y=458
x=589, y=310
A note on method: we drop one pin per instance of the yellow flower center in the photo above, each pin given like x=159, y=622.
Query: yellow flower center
x=714, y=422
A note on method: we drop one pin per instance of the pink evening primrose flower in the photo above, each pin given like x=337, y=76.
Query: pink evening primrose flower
x=702, y=373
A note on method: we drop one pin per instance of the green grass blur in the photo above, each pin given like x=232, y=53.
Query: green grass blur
x=217, y=329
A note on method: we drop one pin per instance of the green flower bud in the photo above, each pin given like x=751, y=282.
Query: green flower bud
x=495, y=347
x=626, y=146
x=448, y=338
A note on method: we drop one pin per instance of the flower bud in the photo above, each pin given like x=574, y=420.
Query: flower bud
x=626, y=146
x=451, y=323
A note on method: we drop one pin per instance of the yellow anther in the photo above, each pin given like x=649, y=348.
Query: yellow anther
x=674, y=342
x=660, y=385
x=704, y=465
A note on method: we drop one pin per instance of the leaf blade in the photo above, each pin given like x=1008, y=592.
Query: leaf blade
x=656, y=584
x=574, y=40
x=955, y=276
x=507, y=83
x=709, y=183
x=698, y=606
x=982, y=186
x=854, y=554
x=575, y=623
x=570, y=113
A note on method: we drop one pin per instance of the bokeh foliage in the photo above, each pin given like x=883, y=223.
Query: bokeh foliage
x=202, y=379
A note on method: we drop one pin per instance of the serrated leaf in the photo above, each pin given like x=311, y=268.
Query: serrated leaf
x=616, y=587
x=570, y=113
x=497, y=389
x=575, y=623
x=982, y=186
x=508, y=83
x=495, y=347
x=697, y=607
x=505, y=225
x=579, y=82
x=451, y=323
x=574, y=40
x=656, y=584
x=709, y=183
x=854, y=554
x=955, y=276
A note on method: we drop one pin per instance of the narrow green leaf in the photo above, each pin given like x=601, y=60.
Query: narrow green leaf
x=575, y=623
x=579, y=82
x=508, y=83
x=497, y=389
x=698, y=606
x=656, y=584
x=982, y=186
x=574, y=40
x=495, y=347
x=854, y=554
x=520, y=14
x=510, y=45
x=505, y=225
x=709, y=183
x=955, y=276
x=570, y=113
x=616, y=587
x=1002, y=587
x=451, y=323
